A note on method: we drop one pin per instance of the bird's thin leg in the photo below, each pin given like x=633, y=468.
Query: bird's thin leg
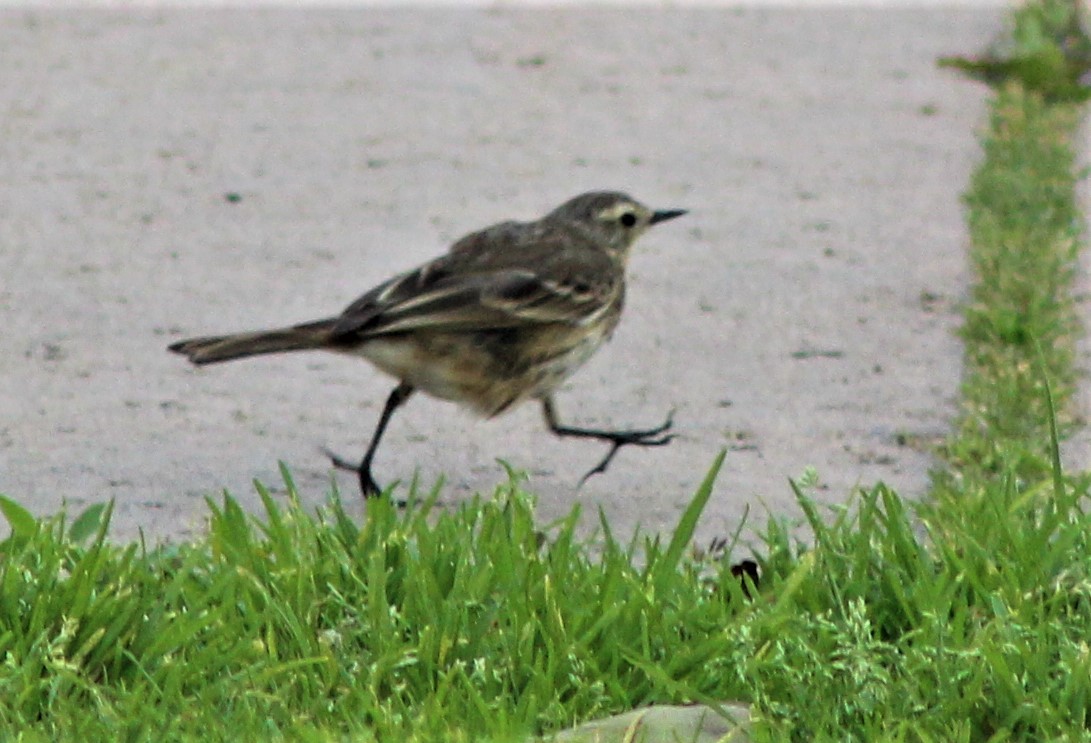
x=657, y=436
x=368, y=486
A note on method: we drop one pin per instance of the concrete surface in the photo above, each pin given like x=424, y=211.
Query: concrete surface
x=1076, y=450
x=801, y=315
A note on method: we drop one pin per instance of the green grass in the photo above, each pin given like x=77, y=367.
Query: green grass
x=475, y=624
x=965, y=617
x=417, y=625
x=1021, y=323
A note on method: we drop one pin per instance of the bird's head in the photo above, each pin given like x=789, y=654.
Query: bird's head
x=613, y=218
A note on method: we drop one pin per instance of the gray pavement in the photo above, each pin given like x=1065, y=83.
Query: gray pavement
x=801, y=315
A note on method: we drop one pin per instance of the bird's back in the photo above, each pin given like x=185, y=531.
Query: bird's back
x=492, y=278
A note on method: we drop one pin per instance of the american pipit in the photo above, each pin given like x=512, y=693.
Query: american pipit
x=505, y=316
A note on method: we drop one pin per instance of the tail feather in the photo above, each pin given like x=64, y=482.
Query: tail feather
x=215, y=348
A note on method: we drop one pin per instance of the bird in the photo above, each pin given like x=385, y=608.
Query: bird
x=505, y=316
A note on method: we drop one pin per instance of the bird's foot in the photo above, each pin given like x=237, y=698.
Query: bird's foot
x=368, y=487
x=658, y=436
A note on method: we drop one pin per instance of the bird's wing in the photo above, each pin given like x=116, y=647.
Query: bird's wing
x=459, y=292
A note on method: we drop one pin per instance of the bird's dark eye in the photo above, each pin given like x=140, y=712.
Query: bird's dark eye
x=628, y=219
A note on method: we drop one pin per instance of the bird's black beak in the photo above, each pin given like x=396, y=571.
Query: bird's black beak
x=663, y=216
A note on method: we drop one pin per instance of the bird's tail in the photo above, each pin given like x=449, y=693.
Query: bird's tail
x=215, y=348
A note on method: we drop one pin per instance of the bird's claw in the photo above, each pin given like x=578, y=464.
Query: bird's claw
x=657, y=436
x=368, y=487
x=339, y=462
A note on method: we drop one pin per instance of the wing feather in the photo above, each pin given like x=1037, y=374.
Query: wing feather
x=494, y=281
